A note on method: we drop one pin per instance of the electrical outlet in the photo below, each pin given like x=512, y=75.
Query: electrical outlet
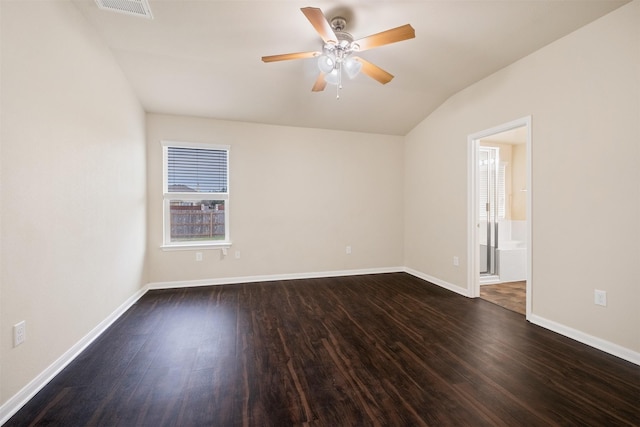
x=19, y=333
x=456, y=261
x=198, y=256
x=348, y=250
x=600, y=297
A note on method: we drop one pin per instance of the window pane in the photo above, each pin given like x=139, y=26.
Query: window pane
x=196, y=170
x=200, y=220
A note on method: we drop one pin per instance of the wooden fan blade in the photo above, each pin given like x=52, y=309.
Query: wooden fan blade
x=393, y=35
x=287, y=56
x=374, y=71
x=320, y=83
x=320, y=23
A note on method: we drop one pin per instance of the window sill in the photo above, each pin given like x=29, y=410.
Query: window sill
x=195, y=246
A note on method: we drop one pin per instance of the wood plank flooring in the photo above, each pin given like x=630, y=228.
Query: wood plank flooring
x=377, y=350
x=510, y=295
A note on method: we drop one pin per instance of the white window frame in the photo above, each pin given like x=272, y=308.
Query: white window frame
x=167, y=197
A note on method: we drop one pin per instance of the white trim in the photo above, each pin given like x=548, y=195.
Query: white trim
x=529, y=283
x=196, y=196
x=473, y=259
x=489, y=280
x=271, y=278
x=192, y=246
x=595, y=342
x=13, y=405
x=473, y=255
x=443, y=284
x=204, y=145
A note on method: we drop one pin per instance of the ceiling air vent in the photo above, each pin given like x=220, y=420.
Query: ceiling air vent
x=129, y=7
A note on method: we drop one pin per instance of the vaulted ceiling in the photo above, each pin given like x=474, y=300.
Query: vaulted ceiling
x=203, y=58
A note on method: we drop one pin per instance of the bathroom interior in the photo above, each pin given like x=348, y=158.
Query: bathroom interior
x=502, y=178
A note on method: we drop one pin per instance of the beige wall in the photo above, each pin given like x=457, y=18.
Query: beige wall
x=519, y=182
x=298, y=198
x=583, y=93
x=72, y=186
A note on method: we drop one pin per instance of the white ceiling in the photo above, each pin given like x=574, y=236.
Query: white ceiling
x=203, y=58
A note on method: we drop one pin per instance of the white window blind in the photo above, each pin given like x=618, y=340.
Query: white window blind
x=196, y=170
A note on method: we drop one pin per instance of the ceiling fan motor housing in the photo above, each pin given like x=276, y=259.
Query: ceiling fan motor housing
x=344, y=46
x=338, y=23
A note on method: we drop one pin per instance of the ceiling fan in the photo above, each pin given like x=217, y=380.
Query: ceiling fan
x=339, y=49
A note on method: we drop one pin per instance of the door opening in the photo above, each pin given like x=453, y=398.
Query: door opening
x=499, y=230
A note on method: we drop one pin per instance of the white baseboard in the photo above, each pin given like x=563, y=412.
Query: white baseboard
x=443, y=284
x=595, y=342
x=13, y=405
x=272, y=277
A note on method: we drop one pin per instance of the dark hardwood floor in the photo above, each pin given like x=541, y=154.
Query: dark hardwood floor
x=378, y=350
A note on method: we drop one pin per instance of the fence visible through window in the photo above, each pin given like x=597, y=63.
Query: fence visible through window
x=194, y=223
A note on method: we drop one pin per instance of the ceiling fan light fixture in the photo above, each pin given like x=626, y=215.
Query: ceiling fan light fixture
x=326, y=63
x=332, y=77
x=352, y=66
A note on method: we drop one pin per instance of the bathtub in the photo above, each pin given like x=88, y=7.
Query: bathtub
x=512, y=260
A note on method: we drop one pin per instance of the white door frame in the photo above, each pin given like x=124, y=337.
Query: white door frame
x=473, y=253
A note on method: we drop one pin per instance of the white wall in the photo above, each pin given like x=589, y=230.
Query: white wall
x=298, y=198
x=583, y=93
x=72, y=186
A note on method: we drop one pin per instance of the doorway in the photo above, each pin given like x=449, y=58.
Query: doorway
x=499, y=237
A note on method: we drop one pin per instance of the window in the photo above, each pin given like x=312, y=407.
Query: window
x=196, y=194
